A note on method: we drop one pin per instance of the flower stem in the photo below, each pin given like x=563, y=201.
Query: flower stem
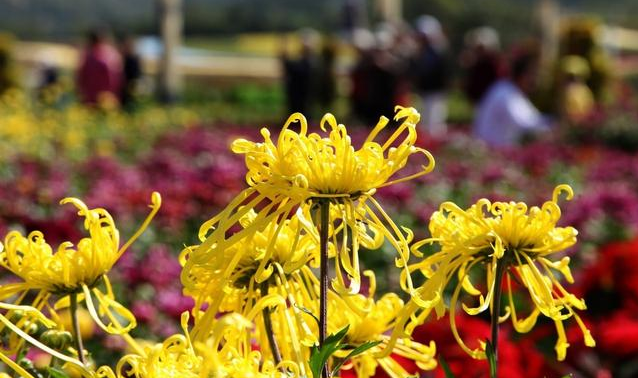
x=274, y=348
x=501, y=268
x=76, y=327
x=323, y=289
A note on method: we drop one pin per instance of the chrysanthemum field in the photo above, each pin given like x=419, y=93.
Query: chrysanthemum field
x=427, y=255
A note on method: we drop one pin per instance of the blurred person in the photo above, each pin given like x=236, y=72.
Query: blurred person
x=577, y=99
x=360, y=75
x=49, y=87
x=580, y=35
x=8, y=76
x=100, y=70
x=131, y=73
x=482, y=62
x=385, y=73
x=375, y=75
x=298, y=73
x=505, y=115
x=355, y=17
x=49, y=75
x=326, y=75
x=431, y=71
x=404, y=48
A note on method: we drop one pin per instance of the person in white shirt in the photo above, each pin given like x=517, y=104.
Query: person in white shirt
x=505, y=114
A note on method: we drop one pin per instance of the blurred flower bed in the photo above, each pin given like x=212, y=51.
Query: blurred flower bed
x=114, y=160
x=56, y=125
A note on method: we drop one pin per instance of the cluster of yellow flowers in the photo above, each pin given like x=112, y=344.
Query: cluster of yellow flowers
x=259, y=309
x=76, y=131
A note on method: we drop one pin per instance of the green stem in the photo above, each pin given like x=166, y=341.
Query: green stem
x=501, y=268
x=76, y=327
x=323, y=272
x=18, y=358
x=274, y=348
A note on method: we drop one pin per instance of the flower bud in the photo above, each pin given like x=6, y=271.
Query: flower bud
x=56, y=339
x=31, y=328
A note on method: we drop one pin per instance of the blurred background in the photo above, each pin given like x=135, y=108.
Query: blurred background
x=110, y=100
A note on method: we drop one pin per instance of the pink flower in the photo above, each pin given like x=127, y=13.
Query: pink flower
x=144, y=311
x=173, y=303
x=160, y=267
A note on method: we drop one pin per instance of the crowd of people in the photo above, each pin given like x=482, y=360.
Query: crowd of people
x=392, y=65
x=415, y=66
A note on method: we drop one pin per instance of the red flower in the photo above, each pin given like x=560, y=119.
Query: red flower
x=618, y=334
x=518, y=359
x=614, y=278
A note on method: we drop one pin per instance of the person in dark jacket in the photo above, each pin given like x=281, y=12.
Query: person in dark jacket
x=482, y=62
x=431, y=70
x=298, y=74
x=131, y=73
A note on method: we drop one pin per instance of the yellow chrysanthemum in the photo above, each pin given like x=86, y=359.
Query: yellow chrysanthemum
x=521, y=241
x=370, y=321
x=277, y=249
x=302, y=169
x=175, y=357
x=223, y=355
x=290, y=279
x=72, y=270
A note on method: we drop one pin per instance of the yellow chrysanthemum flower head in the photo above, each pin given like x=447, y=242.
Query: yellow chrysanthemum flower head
x=77, y=270
x=289, y=175
x=308, y=165
x=286, y=247
x=223, y=355
x=227, y=282
x=500, y=240
x=175, y=357
x=370, y=320
x=228, y=351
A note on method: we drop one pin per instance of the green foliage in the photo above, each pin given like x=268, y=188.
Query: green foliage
x=28, y=366
x=446, y=368
x=620, y=132
x=460, y=110
x=491, y=358
x=333, y=343
x=320, y=355
x=355, y=352
x=57, y=19
x=56, y=373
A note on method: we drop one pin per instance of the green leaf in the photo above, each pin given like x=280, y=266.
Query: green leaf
x=446, y=368
x=319, y=356
x=335, y=338
x=307, y=311
x=22, y=353
x=56, y=373
x=355, y=352
x=491, y=358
